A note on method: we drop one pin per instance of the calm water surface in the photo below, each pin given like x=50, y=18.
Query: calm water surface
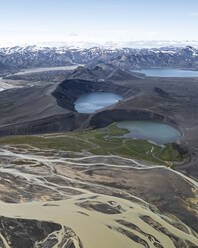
x=156, y=132
x=169, y=73
x=89, y=103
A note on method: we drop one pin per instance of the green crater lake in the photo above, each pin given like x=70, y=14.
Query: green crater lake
x=89, y=103
x=156, y=132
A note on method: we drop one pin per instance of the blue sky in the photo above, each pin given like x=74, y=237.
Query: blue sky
x=99, y=21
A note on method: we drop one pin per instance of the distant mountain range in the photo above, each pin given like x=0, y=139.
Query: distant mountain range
x=106, y=44
x=125, y=58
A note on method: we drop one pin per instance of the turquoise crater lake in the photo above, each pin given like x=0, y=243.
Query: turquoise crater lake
x=89, y=103
x=156, y=132
x=168, y=73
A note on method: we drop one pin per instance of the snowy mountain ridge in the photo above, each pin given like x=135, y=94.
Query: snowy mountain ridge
x=18, y=57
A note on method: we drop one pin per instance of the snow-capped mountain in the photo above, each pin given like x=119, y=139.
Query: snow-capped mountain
x=126, y=58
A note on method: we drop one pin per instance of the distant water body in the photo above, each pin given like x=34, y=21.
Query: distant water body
x=168, y=73
x=156, y=132
x=89, y=103
x=44, y=69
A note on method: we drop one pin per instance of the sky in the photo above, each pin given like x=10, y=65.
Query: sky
x=97, y=21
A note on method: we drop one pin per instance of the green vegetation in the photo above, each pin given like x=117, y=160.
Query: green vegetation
x=104, y=141
x=170, y=154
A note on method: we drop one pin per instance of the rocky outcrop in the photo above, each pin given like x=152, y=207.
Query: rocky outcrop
x=83, y=73
x=106, y=117
x=161, y=92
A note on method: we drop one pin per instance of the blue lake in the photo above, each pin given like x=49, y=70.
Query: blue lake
x=168, y=73
x=156, y=132
x=89, y=103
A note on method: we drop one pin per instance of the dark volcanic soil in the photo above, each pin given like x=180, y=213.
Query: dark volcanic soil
x=50, y=108
x=32, y=233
